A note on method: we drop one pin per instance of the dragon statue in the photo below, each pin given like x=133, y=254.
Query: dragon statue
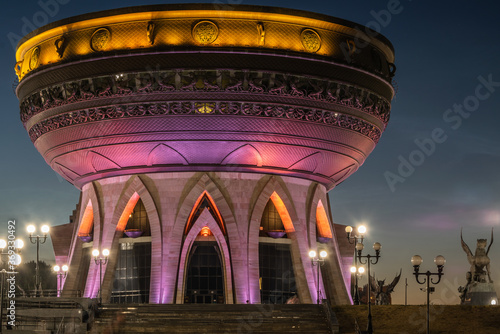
x=383, y=292
x=479, y=260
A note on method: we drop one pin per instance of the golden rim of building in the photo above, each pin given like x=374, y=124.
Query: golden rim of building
x=194, y=26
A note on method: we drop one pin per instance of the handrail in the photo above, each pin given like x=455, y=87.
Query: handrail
x=331, y=318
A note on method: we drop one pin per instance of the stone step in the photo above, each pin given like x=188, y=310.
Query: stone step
x=213, y=319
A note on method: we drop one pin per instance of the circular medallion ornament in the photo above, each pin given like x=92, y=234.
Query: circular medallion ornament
x=310, y=40
x=100, y=39
x=35, y=56
x=205, y=32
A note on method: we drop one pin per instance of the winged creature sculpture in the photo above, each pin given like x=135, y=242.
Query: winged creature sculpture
x=383, y=292
x=479, y=260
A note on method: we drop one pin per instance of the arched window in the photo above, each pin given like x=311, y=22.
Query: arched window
x=131, y=283
x=138, y=221
x=271, y=220
x=276, y=275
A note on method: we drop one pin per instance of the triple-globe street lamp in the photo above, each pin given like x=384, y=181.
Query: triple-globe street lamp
x=318, y=261
x=368, y=260
x=354, y=238
x=38, y=239
x=416, y=261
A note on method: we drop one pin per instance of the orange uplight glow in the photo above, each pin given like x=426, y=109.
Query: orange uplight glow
x=205, y=231
x=122, y=223
x=87, y=220
x=215, y=212
x=238, y=28
x=322, y=222
x=283, y=212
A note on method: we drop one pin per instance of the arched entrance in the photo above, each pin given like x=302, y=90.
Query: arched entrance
x=205, y=277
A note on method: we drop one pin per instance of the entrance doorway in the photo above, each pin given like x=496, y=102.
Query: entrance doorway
x=205, y=278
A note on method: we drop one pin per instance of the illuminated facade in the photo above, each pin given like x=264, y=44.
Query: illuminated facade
x=204, y=142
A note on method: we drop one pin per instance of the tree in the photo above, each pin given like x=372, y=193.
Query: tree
x=25, y=279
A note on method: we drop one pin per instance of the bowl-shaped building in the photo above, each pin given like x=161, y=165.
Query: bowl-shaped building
x=204, y=141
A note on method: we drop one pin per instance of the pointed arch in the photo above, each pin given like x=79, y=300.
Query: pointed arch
x=244, y=155
x=336, y=274
x=174, y=244
x=163, y=154
x=205, y=196
x=113, y=229
x=87, y=221
x=283, y=212
x=322, y=223
x=99, y=162
x=279, y=194
x=127, y=211
x=205, y=219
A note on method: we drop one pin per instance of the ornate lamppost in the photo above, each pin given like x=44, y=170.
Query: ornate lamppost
x=354, y=239
x=369, y=258
x=61, y=273
x=37, y=239
x=416, y=261
x=100, y=261
x=318, y=261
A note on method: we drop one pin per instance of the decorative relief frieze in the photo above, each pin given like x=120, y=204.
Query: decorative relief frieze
x=150, y=32
x=205, y=32
x=310, y=40
x=215, y=108
x=261, y=30
x=34, y=58
x=223, y=82
x=60, y=45
x=100, y=39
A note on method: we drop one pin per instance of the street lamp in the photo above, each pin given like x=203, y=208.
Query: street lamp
x=358, y=271
x=318, y=261
x=416, y=261
x=354, y=239
x=60, y=275
x=13, y=248
x=38, y=239
x=100, y=261
x=368, y=257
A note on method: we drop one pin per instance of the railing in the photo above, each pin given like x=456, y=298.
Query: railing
x=51, y=293
x=331, y=318
x=40, y=303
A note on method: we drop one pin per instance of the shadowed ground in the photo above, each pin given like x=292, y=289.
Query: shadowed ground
x=412, y=319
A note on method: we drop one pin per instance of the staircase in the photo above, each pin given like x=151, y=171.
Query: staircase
x=214, y=318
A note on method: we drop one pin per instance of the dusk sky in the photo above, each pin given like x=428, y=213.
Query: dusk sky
x=442, y=129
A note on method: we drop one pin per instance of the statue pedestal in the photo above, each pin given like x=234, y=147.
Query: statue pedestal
x=480, y=294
